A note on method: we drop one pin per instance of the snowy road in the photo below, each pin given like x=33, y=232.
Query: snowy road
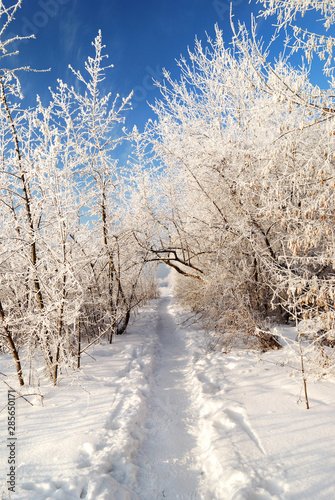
x=167, y=462
x=156, y=415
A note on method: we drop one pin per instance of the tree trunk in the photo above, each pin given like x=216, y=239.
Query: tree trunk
x=12, y=346
x=27, y=203
x=79, y=345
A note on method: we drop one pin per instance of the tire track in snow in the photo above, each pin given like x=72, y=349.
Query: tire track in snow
x=167, y=464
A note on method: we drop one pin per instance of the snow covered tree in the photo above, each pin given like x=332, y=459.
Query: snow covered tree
x=205, y=136
x=16, y=196
x=242, y=146
x=94, y=122
x=71, y=268
x=304, y=190
x=304, y=35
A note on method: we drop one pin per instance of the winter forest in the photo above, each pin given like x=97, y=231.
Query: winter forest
x=232, y=186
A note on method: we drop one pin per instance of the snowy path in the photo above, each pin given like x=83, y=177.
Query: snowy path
x=156, y=415
x=167, y=463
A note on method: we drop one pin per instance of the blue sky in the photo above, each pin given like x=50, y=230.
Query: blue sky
x=140, y=38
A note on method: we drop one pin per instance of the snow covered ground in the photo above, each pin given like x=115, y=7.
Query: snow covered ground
x=155, y=415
